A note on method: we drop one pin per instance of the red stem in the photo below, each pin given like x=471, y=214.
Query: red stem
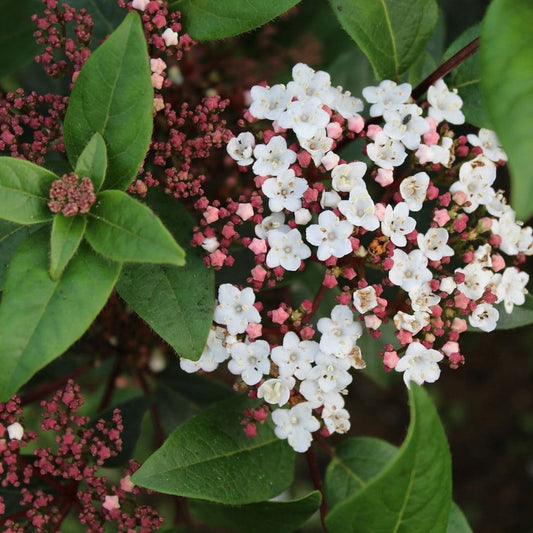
x=317, y=482
x=454, y=61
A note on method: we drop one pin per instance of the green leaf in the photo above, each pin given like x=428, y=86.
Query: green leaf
x=210, y=457
x=67, y=233
x=11, y=235
x=359, y=460
x=264, y=517
x=24, y=191
x=392, y=33
x=356, y=462
x=121, y=228
x=113, y=96
x=506, y=55
x=177, y=302
x=457, y=522
x=466, y=79
x=522, y=315
x=16, y=34
x=39, y=317
x=92, y=162
x=413, y=493
x=205, y=20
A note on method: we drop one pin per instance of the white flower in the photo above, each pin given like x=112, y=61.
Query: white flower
x=511, y=287
x=340, y=332
x=359, y=209
x=344, y=103
x=412, y=323
x=335, y=417
x=269, y=102
x=284, y=191
x=345, y=177
x=296, y=425
x=331, y=235
x=386, y=152
x=406, y=125
x=274, y=221
x=413, y=190
x=485, y=317
x=235, y=308
x=15, y=431
x=305, y=118
x=476, y=279
x=445, y=104
x=434, y=244
x=240, y=148
x=215, y=352
x=311, y=391
x=419, y=364
x=295, y=356
x=250, y=361
x=490, y=144
x=331, y=372
x=276, y=390
x=397, y=223
x=387, y=95
x=318, y=145
x=422, y=298
x=365, y=299
x=310, y=84
x=509, y=230
x=475, y=180
x=482, y=255
x=273, y=158
x=409, y=271
x=287, y=249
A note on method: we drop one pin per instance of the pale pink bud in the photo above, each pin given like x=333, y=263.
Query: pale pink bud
x=111, y=502
x=211, y=214
x=157, y=81
x=384, y=177
x=210, y=244
x=441, y=217
x=170, y=37
x=258, y=273
x=460, y=197
x=379, y=211
x=159, y=104
x=15, y=431
x=302, y=216
x=450, y=347
x=356, y=124
x=279, y=315
x=258, y=246
x=254, y=330
x=390, y=359
x=459, y=325
x=373, y=130
x=334, y=130
x=126, y=484
x=157, y=65
x=217, y=258
x=372, y=322
x=245, y=211
x=485, y=223
x=498, y=262
x=140, y=4
x=330, y=160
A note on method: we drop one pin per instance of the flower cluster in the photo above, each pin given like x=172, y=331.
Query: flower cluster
x=70, y=468
x=71, y=195
x=413, y=235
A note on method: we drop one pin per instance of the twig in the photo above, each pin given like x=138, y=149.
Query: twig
x=317, y=482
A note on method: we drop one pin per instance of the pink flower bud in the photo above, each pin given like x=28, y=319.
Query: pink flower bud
x=373, y=130
x=279, y=315
x=384, y=177
x=330, y=160
x=390, y=359
x=334, y=130
x=245, y=211
x=356, y=124
x=441, y=217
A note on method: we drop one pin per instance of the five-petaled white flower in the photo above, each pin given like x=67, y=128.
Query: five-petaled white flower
x=331, y=235
x=419, y=364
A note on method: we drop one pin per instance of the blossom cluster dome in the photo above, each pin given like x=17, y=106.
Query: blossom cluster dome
x=413, y=239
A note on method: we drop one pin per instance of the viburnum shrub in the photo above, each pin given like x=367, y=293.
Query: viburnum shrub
x=172, y=207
